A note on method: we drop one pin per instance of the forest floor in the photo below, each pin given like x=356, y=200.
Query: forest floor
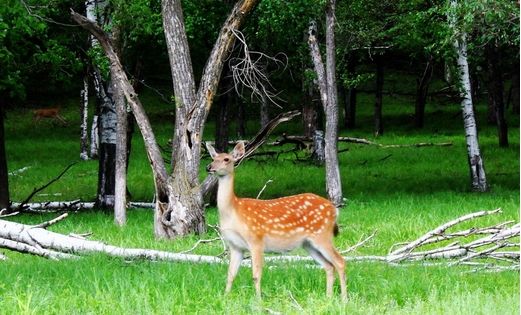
x=401, y=193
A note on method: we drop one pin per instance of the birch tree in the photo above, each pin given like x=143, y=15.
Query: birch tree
x=476, y=164
x=326, y=78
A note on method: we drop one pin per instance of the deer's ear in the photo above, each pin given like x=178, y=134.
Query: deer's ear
x=211, y=149
x=238, y=151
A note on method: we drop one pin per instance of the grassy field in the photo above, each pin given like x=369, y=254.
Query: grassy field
x=401, y=192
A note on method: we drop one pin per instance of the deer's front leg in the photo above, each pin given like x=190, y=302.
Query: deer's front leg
x=257, y=260
x=235, y=262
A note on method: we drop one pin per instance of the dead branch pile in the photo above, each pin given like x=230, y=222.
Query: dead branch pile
x=491, y=248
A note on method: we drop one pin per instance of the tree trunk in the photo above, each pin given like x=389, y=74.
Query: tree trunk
x=221, y=126
x=476, y=165
x=350, y=96
x=241, y=120
x=120, y=189
x=107, y=149
x=94, y=136
x=495, y=91
x=515, y=90
x=264, y=106
x=84, y=115
x=309, y=111
x=326, y=78
x=184, y=213
x=179, y=206
x=334, y=187
x=4, y=176
x=319, y=152
x=221, y=130
x=421, y=94
x=378, y=122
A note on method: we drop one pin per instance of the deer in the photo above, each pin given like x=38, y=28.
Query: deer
x=52, y=113
x=277, y=225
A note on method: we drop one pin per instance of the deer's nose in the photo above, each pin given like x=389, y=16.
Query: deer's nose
x=209, y=167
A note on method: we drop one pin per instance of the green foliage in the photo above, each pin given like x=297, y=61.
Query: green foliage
x=34, y=49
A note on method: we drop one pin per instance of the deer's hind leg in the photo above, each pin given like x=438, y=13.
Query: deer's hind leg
x=328, y=267
x=328, y=251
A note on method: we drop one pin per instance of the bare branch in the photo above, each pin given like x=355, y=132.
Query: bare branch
x=264, y=187
x=360, y=243
x=46, y=224
x=440, y=229
x=249, y=71
x=36, y=190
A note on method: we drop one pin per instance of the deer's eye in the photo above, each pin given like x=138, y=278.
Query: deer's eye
x=226, y=160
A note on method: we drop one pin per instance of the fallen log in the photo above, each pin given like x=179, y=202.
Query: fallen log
x=483, y=253
x=72, y=205
x=39, y=241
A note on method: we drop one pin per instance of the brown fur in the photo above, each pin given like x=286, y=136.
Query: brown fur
x=51, y=113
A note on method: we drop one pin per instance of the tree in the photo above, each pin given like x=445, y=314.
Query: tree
x=4, y=176
x=179, y=206
x=363, y=27
x=326, y=78
x=476, y=165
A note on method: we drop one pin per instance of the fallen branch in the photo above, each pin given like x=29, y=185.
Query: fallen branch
x=306, y=141
x=359, y=244
x=441, y=229
x=73, y=205
x=36, y=190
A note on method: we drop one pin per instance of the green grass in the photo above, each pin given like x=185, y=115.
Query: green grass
x=401, y=192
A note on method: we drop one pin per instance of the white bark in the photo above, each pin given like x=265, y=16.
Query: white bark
x=48, y=241
x=84, y=135
x=477, y=169
x=441, y=229
x=90, y=7
x=73, y=205
x=94, y=138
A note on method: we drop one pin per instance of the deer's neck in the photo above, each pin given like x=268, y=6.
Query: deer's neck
x=225, y=193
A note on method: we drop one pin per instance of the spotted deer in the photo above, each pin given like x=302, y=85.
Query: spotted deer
x=276, y=225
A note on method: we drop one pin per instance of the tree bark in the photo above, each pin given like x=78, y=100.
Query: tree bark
x=179, y=207
x=184, y=213
x=421, y=94
x=107, y=148
x=495, y=90
x=4, y=176
x=334, y=188
x=350, y=96
x=378, y=121
x=223, y=119
x=476, y=165
x=94, y=137
x=120, y=189
x=241, y=114
x=264, y=107
x=120, y=78
x=515, y=90
x=326, y=78
x=309, y=111
x=84, y=115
